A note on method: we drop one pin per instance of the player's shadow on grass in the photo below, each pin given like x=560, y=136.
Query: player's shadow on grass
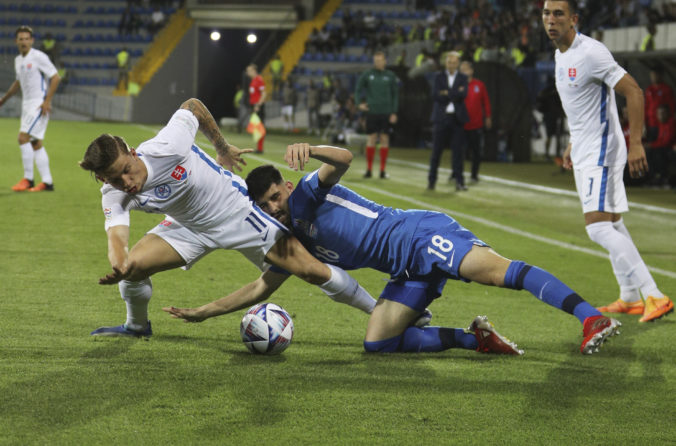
x=576, y=384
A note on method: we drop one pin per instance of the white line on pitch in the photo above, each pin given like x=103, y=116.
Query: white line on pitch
x=535, y=187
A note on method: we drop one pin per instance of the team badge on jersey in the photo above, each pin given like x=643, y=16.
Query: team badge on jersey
x=179, y=173
x=572, y=74
x=162, y=191
x=29, y=66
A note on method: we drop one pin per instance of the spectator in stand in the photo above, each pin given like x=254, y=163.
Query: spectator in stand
x=659, y=150
x=479, y=110
x=313, y=42
x=648, y=43
x=325, y=45
x=123, y=69
x=380, y=89
x=52, y=49
x=549, y=104
x=277, y=71
x=257, y=97
x=449, y=115
x=289, y=98
x=157, y=21
x=313, y=104
x=657, y=93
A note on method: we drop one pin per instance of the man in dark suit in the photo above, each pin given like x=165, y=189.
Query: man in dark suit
x=449, y=115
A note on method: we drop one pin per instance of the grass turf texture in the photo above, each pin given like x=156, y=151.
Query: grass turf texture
x=197, y=384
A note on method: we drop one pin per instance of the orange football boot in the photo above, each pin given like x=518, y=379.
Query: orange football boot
x=22, y=185
x=42, y=187
x=655, y=308
x=620, y=306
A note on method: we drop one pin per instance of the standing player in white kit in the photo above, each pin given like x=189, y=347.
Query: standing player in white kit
x=587, y=77
x=206, y=207
x=38, y=80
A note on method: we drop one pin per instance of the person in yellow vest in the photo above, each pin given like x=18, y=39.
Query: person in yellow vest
x=648, y=43
x=123, y=69
x=277, y=70
x=51, y=48
x=241, y=109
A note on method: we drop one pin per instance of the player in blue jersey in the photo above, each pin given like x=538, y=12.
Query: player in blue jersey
x=419, y=249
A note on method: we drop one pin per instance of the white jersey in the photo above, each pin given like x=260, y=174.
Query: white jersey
x=33, y=72
x=183, y=182
x=585, y=77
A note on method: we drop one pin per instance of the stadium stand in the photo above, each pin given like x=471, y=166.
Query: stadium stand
x=87, y=31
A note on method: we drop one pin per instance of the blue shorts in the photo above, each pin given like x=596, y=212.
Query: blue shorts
x=438, y=247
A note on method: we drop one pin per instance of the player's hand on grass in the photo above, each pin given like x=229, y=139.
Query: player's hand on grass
x=187, y=314
x=233, y=160
x=297, y=155
x=636, y=160
x=114, y=277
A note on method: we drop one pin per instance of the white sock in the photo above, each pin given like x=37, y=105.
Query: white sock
x=27, y=158
x=136, y=295
x=42, y=162
x=627, y=294
x=341, y=287
x=619, y=226
x=628, y=266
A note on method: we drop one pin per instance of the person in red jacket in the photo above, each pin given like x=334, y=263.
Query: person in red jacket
x=256, y=97
x=658, y=150
x=479, y=110
x=657, y=93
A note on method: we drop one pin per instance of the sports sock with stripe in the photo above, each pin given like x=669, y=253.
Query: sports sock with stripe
x=548, y=289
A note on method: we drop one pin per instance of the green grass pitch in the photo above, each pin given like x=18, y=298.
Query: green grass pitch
x=197, y=383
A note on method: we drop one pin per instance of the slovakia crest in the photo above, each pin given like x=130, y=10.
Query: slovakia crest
x=572, y=74
x=179, y=173
x=29, y=66
x=162, y=191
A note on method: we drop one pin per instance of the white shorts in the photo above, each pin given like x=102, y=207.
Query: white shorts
x=287, y=110
x=251, y=233
x=601, y=189
x=33, y=121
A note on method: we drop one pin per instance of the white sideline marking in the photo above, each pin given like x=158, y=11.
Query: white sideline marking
x=469, y=217
x=535, y=187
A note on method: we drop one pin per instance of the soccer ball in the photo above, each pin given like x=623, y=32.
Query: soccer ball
x=267, y=329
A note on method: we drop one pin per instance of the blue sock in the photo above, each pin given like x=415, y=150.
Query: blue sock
x=548, y=289
x=436, y=339
x=426, y=339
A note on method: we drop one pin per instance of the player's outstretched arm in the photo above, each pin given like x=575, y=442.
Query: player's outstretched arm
x=335, y=160
x=118, y=254
x=636, y=158
x=11, y=91
x=229, y=156
x=248, y=295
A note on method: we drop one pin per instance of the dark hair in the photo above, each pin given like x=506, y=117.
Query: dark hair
x=103, y=152
x=260, y=179
x=23, y=29
x=572, y=6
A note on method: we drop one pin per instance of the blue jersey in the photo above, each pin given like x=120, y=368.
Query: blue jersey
x=341, y=227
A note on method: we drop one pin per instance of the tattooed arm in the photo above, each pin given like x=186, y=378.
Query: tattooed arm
x=229, y=156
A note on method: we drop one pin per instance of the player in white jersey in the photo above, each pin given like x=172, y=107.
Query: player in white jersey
x=38, y=80
x=207, y=208
x=587, y=77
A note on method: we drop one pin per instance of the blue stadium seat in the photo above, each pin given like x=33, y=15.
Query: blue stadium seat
x=36, y=22
x=328, y=57
x=136, y=53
